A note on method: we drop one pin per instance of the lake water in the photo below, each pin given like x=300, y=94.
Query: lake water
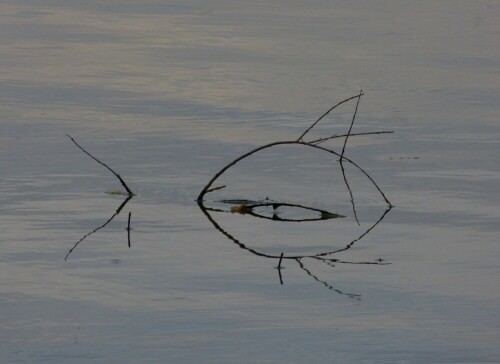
x=168, y=93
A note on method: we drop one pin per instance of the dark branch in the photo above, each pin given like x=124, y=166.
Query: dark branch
x=103, y=164
x=350, y=191
x=325, y=114
x=322, y=140
x=128, y=228
x=352, y=123
x=218, y=174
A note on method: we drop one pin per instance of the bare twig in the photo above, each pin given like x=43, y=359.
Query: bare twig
x=350, y=191
x=357, y=166
x=103, y=164
x=215, y=188
x=325, y=114
x=322, y=140
x=289, y=142
x=342, y=160
x=247, y=206
x=352, y=123
x=314, y=144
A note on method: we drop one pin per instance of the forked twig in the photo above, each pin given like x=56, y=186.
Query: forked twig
x=247, y=207
x=289, y=142
x=325, y=114
x=342, y=160
x=352, y=123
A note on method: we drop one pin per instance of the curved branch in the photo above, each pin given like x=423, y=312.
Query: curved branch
x=218, y=174
x=130, y=193
x=326, y=113
x=289, y=142
x=318, y=256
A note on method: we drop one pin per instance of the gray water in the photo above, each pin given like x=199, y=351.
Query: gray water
x=167, y=93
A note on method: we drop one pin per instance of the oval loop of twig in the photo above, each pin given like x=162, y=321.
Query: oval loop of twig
x=207, y=188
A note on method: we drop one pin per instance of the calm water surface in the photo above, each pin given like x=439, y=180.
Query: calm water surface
x=167, y=93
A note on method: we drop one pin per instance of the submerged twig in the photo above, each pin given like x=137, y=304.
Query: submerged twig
x=130, y=193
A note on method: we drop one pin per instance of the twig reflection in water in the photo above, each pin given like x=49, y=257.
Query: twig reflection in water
x=129, y=195
x=117, y=212
x=248, y=207
x=320, y=256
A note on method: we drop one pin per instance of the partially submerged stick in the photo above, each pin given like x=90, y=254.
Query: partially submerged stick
x=289, y=142
x=130, y=193
x=313, y=144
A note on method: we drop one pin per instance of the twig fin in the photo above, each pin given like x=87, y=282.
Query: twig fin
x=352, y=123
x=300, y=138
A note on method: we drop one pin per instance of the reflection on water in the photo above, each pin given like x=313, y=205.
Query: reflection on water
x=319, y=256
x=169, y=93
x=118, y=210
x=254, y=209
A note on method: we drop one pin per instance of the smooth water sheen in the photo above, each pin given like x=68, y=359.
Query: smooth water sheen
x=167, y=93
